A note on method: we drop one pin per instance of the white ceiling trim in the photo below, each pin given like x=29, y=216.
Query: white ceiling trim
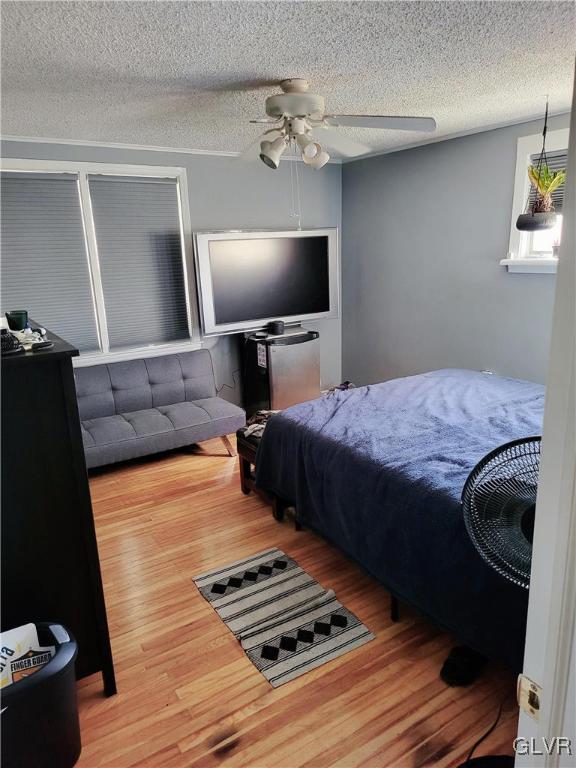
x=145, y=147
x=291, y=158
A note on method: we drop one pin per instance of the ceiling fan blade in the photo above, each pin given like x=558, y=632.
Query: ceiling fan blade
x=265, y=120
x=329, y=137
x=386, y=122
x=245, y=85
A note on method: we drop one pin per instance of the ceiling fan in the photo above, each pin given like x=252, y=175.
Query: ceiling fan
x=300, y=120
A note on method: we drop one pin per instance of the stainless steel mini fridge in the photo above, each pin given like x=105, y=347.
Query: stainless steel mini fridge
x=281, y=371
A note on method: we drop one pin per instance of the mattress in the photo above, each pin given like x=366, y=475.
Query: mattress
x=379, y=471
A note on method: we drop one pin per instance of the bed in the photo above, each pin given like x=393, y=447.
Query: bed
x=378, y=471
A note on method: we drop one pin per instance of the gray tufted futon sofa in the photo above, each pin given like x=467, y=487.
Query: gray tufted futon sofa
x=134, y=408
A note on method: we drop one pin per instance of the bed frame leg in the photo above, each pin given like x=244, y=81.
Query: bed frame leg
x=246, y=479
x=278, y=507
x=394, y=608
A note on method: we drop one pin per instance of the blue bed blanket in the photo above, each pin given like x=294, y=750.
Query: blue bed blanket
x=379, y=472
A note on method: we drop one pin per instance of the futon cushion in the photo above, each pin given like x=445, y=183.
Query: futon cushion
x=87, y=438
x=130, y=386
x=108, y=429
x=148, y=422
x=155, y=421
x=217, y=407
x=135, y=385
x=198, y=375
x=134, y=408
x=94, y=392
x=166, y=380
x=183, y=415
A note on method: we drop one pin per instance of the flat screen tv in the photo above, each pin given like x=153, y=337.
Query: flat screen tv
x=247, y=279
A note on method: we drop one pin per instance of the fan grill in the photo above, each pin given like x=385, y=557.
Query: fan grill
x=499, y=500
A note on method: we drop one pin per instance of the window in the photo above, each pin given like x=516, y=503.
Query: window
x=97, y=254
x=140, y=255
x=45, y=265
x=543, y=243
x=536, y=251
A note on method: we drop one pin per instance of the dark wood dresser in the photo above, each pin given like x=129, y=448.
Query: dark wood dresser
x=50, y=565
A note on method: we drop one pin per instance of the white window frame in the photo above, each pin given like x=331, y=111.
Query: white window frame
x=82, y=171
x=518, y=258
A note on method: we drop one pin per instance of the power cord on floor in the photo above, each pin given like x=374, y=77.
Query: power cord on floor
x=229, y=386
x=482, y=738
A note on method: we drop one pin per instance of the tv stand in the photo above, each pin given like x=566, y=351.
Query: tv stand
x=280, y=371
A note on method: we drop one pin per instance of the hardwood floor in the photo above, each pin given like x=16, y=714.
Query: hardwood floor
x=188, y=696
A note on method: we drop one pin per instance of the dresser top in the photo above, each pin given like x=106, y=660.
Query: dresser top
x=60, y=349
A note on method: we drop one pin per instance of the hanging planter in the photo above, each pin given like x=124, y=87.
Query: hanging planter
x=533, y=222
x=539, y=213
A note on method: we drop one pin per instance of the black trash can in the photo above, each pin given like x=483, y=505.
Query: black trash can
x=39, y=714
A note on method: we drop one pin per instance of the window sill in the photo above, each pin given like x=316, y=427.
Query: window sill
x=137, y=353
x=531, y=266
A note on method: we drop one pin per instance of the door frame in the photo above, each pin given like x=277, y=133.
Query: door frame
x=550, y=634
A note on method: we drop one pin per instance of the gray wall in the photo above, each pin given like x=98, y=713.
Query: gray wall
x=225, y=194
x=423, y=232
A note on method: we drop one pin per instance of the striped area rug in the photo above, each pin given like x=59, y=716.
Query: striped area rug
x=286, y=622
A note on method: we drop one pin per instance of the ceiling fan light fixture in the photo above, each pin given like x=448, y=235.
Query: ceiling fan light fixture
x=271, y=151
x=311, y=150
x=318, y=160
x=308, y=146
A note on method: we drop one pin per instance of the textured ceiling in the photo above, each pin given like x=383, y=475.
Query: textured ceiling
x=191, y=74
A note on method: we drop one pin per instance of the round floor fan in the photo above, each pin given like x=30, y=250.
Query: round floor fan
x=499, y=501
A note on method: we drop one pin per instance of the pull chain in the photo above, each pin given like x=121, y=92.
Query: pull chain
x=295, y=199
x=298, y=198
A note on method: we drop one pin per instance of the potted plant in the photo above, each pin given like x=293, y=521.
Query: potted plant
x=541, y=213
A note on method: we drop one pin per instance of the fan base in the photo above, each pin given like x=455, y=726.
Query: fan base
x=462, y=667
x=294, y=85
x=294, y=105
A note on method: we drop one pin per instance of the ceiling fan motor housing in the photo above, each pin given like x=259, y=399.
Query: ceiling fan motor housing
x=296, y=126
x=294, y=105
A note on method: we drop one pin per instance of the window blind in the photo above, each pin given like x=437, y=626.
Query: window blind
x=141, y=263
x=44, y=260
x=557, y=161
